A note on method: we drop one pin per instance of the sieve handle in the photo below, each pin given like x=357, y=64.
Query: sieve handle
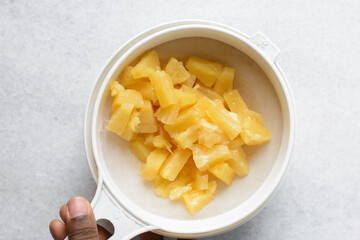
x=265, y=45
x=124, y=227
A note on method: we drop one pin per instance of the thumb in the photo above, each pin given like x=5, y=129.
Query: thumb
x=80, y=221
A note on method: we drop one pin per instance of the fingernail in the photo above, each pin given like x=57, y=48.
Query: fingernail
x=77, y=207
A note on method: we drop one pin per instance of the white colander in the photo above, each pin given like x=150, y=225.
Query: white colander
x=127, y=200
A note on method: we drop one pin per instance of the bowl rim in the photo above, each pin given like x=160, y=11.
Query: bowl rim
x=98, y=90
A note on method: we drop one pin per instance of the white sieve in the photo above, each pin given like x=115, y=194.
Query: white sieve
x=127, y=200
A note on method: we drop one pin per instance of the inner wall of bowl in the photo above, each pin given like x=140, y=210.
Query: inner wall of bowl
x=259, y=94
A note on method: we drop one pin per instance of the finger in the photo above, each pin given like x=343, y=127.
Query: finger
x=103, y=233
x=150, y=236
x=62, y=212
x=80, y=220
x=57, y=229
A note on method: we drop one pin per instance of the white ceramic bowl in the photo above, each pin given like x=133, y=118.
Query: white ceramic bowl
x=128, y=201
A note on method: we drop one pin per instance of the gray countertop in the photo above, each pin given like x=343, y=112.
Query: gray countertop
x=52, y=52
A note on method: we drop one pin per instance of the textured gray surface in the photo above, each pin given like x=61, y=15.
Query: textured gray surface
x=52, y=51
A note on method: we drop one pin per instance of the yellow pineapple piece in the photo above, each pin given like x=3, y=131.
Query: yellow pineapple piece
x=210, y=93
x=149, y=139
x=194, y=91
x=153, y=163
x=205, y=157
x=120, y=118
x=212, y=186
x=210, y=134
x=148, y=64
x=177, y=71
x=164, y=89
x=237, y=105
x=177, y=188
x=169, y=114
x=126, y=77
x=195, y=200
x=235, y=102
x=187, y=99
x=190, y=81
x=147, y=120
x=174, y=163
x=185, y=120
x=254, y=116
x=201, y=181
x=116, y=88
x=187, y=173
x=223, y=172
x=254, y=133
x=132, y=127
x=146, y=90
x=160, y=142
x=224, y=119
x=238, y=162
x=186, y=138
x=162, y=190
x=140, y=149
x=225, y=81
x=127, y=96
x=206, y=71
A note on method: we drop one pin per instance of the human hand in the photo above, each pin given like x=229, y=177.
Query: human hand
x=79, y=223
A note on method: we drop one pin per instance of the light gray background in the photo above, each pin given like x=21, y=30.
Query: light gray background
x=52, y=51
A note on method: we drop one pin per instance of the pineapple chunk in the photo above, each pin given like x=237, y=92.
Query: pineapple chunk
x=148, y=64
x=120, y=118
x=187, y=138
x=254, y=133
x=139, y=148
x=238, y=105
x=132, y=127
x=164, y=89
x=205, y=157
x=162, y=190
x=126, y=78
x=212, y=187
x=128, y=96
x=209, y=93
x=254, y=116
x=202, y=105
x=235, y=102
x=238, y=162
x=128, y=134
x=187, y=99
x=201, y=181
x=207, y=72
x=116, y=88
x=147, y=119
x=160, y=142
x=225, y=81
x=210, y=134
x=223, y=118
x=177, y=188
x=195, y=200
x=190, y=81
x=149, y=139
x=185, y=120
x=153, y=163
x=187, y=173
x=194, y=91
x=223, y=172
x=176, y=71
x=168, y=115
x=146, y=90
x=174, y=163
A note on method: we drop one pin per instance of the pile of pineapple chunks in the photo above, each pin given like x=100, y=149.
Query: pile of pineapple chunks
x=186, y=123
